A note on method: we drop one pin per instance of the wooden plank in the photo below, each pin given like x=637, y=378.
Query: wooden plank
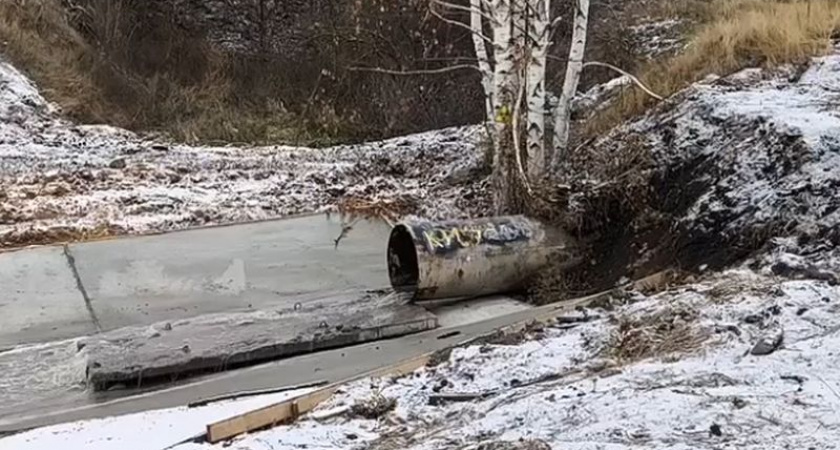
x=290, y=409
x=267, y=416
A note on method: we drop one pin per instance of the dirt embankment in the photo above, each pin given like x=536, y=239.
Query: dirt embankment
x=727, y=167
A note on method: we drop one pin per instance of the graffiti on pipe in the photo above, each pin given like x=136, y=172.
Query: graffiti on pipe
x=446, y=238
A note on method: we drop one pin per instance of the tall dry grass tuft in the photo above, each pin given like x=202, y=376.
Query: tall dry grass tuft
x=737, y=34
x=670, y=331
x=37, y=35
x=115, y=62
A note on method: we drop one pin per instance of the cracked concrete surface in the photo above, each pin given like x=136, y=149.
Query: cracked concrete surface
x=39, y=299
x=54, y=293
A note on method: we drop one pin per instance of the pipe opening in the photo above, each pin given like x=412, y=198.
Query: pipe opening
x=403, y=268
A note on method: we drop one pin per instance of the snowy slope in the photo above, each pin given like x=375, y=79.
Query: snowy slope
x=63, y=181
x=579, y=386
x=788, y=399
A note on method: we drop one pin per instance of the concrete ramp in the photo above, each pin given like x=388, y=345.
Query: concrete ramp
x=62, y=292
x=248, y=267
x=40, y=299
x=206, y=299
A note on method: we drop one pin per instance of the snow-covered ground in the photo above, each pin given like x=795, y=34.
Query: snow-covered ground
x=725, y=167
x=658, y=38
x=714, y=395
x=674, y=370
x=151, y=430
x=60, y=181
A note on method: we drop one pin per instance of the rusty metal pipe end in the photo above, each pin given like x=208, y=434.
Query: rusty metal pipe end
x=403, y=267
x=465, y=258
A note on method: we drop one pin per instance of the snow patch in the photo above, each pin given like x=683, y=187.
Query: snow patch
x=152, y=430
x=549, y=389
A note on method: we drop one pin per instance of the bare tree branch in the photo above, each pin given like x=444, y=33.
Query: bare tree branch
x=517, y=109
x=552, y=27
x=413, y=72
x=461, y=25
x=468, y=9
x=632, y=78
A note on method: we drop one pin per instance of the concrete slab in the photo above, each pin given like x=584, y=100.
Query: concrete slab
x=248, y=267
x=217, y=342
x=39, y=298
x=477, y=310
x=328, y=365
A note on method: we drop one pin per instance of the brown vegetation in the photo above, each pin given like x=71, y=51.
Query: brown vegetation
x=373, y=407
x=91, y=58
x=137, y=65
x=265, y=71
x=670, y=331
x=735, y=35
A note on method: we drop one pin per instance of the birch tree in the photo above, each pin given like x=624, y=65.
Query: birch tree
x=538, y=32
x=512, y=61
x=503, y=94
x=574, y=67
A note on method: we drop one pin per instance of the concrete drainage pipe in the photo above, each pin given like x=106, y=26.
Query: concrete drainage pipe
x=436, y=260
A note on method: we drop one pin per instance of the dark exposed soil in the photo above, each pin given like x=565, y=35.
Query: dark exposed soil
x=692, y=187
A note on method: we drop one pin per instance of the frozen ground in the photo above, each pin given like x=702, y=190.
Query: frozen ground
x=152, y=430
x=729, y=166
x=682, y=369
x=60, y=181
x=564, y=389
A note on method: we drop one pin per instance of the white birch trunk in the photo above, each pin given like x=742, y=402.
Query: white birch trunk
x=476, y=23
x=538, y=30
x=503, y=99
x=574, y=66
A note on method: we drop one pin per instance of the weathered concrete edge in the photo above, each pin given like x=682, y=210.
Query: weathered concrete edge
x=128, y=236
x=437, y=339
x=277, y=413
x=266, y=353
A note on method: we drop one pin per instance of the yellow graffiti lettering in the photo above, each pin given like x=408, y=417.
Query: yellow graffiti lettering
x=449, y=235
x=463, y=237
x=437, y=238
x=468, y=237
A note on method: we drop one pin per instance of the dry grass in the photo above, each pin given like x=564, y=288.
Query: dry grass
x=92, y=61
x=667, y=332
x=389, y=210
x=736, y=34
x=32, y=236
x=149, y=66
x=373, y=407
x=37, y=35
